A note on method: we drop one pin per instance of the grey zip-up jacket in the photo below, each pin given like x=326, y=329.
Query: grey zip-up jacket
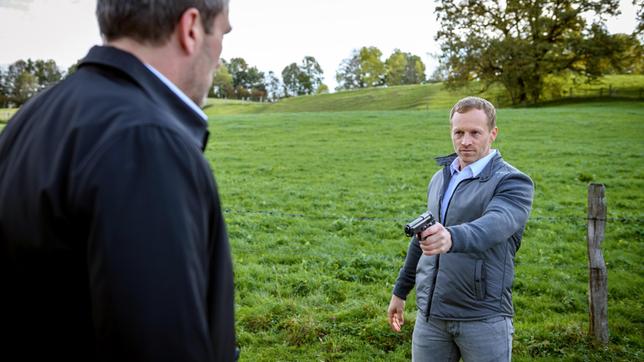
x=486, y=218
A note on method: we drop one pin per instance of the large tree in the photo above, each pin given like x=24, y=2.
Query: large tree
x=248, y=81
x=305, y=78
x=20, y=82
x=363, y=69
x=348, y=75
x=222, y=83
x=273, y=87
x=46, y=73
x=25, y=86
x=4, y=90
x=404, y=68
x=291, y=76
x=24, y=78
x=640, y=17
x=372, y=69
x=519, y=43
x=314, y=74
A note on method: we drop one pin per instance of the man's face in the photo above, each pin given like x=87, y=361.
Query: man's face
x=471, y=136
x=207, y=58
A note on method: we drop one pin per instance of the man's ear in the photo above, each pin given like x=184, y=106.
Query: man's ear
x=494, y=133
x=189, y=30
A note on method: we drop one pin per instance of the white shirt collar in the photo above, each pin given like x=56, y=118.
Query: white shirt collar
x=474, y=168
x=178, y=92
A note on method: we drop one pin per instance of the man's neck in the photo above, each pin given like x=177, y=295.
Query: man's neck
x=462, y=165
x=160, y=57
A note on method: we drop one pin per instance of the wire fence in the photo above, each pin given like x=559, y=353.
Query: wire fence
x=583, y=92
x=639, y=220
x=547, y=262
x=608, y=91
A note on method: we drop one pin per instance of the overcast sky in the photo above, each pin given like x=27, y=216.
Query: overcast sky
x=268, y=34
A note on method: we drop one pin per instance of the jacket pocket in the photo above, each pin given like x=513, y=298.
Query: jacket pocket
x=479, y=280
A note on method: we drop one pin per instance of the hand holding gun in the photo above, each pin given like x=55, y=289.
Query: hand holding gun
x=421, y=223
x=432, y=239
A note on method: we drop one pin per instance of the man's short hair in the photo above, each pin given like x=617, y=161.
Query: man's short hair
x=151, y=21
x=469, y=103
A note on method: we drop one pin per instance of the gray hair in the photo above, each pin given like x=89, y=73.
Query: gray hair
x=151, y=21
x=469, y=103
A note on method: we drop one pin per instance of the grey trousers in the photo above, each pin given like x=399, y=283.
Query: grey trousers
x=474, y=341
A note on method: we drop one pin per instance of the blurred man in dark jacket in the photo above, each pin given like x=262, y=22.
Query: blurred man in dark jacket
x=112, y=241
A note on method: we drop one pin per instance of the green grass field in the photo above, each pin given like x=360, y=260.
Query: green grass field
x=315, y=204
x=316, y=191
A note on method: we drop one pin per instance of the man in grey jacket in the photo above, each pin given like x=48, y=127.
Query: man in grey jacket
x=463, y=266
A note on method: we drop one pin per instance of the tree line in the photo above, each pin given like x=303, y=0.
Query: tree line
x=24, y=78
x=236, y=79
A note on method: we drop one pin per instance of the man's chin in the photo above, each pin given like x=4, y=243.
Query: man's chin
x=467, y=158
x=200, y=101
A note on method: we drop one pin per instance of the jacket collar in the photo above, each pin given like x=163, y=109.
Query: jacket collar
x=446, y=160
x=129, y=65
x=485, y=174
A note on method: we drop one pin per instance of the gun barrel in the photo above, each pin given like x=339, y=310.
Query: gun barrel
x=421, y=223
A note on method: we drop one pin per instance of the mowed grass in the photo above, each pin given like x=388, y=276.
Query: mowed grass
x=316, y=202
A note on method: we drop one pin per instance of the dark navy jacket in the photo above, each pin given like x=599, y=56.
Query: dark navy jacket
x=112, y=241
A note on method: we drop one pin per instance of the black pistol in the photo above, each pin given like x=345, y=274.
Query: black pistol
x=421, y=223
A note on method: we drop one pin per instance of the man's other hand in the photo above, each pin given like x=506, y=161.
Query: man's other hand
x=395, y=313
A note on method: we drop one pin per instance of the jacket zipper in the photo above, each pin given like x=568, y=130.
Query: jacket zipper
x=435, y=277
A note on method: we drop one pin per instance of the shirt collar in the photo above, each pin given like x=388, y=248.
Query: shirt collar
x=474, y=168
x=178, y=92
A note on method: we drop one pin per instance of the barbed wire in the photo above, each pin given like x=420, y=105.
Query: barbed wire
x=620, y=219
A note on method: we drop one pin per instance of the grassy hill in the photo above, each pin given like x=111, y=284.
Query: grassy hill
x=420, y=97
x=409, y=97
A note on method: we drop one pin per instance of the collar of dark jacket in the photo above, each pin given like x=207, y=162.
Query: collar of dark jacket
x=485, y=174
x=445, y=160
x=129, y=65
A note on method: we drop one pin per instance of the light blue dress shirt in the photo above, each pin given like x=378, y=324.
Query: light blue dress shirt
x=178, y=92
x=472, y=170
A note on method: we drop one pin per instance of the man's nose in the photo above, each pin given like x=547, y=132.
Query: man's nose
x=466, y=140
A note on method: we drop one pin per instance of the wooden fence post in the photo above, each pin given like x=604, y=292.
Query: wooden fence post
x=598, y=277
